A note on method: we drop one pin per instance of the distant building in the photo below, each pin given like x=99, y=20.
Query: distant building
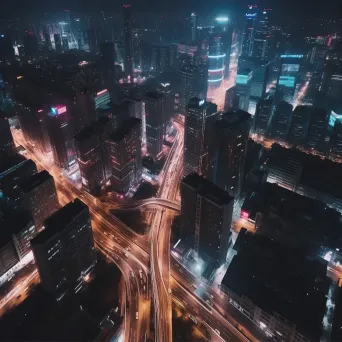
x=128, y=42
x=249, y=30
x=39, y=197
x=107, y=52
x=299, y=125
x=263, y=116
x=124, y=149
x=6, y=139
x=155, y=122
x=61, y=139
x=231, y=99
x=206, y=215
x=243, y=87
x=92, y=155
x=226, y=136
x=64, y=252
x=198, y=111
x=281, y=121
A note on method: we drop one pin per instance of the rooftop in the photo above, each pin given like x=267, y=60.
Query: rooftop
x=35, y=180
x=90, y=130
x=125, y=128
x=59, y=220
x=208, y=189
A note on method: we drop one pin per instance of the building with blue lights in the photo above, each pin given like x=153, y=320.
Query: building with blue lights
x=249, y=31
x=243, y=87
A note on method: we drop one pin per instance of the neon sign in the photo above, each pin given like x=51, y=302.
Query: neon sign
x=101, y=92
x=201, y=103
x=58, y=110
x=251, y=15
x=291, y=56
x=222, y=19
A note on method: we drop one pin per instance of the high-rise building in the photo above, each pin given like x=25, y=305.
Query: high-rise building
x=92, y=155
x=108, y=63
x=169, y=98
x=299, y=125
x=193, y=21
x=58, y=42
x=206, y=215
x=64, y=251
x=198, y=112
x=136, y=46
x=216, y=59
x=30, y=44
x=281, y=121
x=249, y=31
x=124, y=148
x=243, y=87
x=263, y=116
x=61, y=138
x=317, y=130
x=14, y=169
x=6, y=47
x=6, y=139
x=128, y=44
x=262, y=35
x=335, y=144
x=155, y=122
x=193, y=83
x=226, y=137
x=39, y=197
x=65, y=43
x=101, y=98
x=231, y=99
x=259, y=81
x=289, y=76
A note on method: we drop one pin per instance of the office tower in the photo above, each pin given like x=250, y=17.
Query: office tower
x=299, y=125
x=263, y=116
x=155, y=121
x=198, y=112
x=39, y=197
x=8, y=254
x=61, y=139
x=124, y=149
x=108, y=63
x=243, y=87
x=226, y=136
x=64, y=251
x=261, y=74
x=47, y=41
x=206, y=216
x=169, y=97
x=14, y=169
x=6, y=47
x=317, y=130
x=289, y=76
x=216, y=61
x=65, y=43
x=6, y=139
x=128, y=54
x=136, y=52
x=58, y=43
x=281, y=121
x=92, y=156
x=193, y=21
x=335, y=144
x=231, y=99
x=193, y=83
x=262, y=35
x=249, y=31
x=30, y=44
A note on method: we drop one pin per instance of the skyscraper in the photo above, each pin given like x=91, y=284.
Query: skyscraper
x=128, y=61
x=39, y=197
x=206, y=215
x=263, y=116
x=299, y=125
x=317, y=130
x=58, y=43
x=155, y=121
x=193, y=21
x=262, y=35
x=249, y=30
x=281, y=120
x=193, y=83
x=6, y=139
x=64, y=252
x=243, y=87
x=216, y=59
x=92, y=155
x=61, y=138
x=289, y=76
x=108, y=63
x=226, y=137
x=198, y=112
x=124, y=148
x=231, y=99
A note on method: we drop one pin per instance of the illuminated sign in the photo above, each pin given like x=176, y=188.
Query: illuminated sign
x=40, y=110
x=20, y=77
x=251, y=15
x=165, y=84
x=217, y=80
x=291, y=56
x=58, y=110
x=101, y=92
x=201, y=103
x=222, y=19
x=287, y=81
x=333, y=118
x=218, y=56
